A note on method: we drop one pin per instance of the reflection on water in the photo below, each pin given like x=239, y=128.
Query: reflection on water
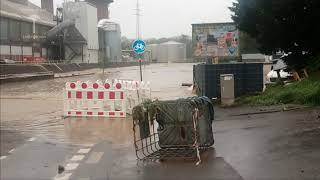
x=92, y=130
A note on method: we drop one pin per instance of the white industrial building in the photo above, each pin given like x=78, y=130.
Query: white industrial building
x=29, y=34
x=110, y=40
x=171, y=51
x=84, y=16
x=153, y=48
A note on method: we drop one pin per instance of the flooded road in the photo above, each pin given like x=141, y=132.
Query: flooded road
x=35, y=108
x=282, y=145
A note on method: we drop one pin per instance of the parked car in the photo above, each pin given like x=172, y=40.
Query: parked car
x=7, y=61
x=273, y=76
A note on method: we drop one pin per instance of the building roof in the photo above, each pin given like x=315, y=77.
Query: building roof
x=27, y=12
x=171, y=42
x=218, y=23
x=253, y=56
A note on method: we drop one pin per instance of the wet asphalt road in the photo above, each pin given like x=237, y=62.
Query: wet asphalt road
x=35, y=139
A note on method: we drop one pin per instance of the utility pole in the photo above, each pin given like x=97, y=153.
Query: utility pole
x=138, y=35
x=138, y=14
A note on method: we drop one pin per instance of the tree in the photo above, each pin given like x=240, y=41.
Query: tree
x=290, y=26
x=248, y=44
x=126, y=43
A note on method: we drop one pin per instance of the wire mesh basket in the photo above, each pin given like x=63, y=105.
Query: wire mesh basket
x=179, y=129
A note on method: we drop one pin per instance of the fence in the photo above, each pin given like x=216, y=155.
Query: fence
x=94, y=99
x=108, y=99
x=136, y=92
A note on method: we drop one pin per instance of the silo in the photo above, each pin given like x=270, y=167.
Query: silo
x=153, y=48
x=172, y=52
x=111, y=39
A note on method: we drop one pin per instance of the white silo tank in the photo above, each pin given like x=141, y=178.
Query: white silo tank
x=112, y=39
x=153, y=48
x=172, y=51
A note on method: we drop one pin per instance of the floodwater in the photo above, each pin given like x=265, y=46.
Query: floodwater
x=282, y=145
x=35, y=108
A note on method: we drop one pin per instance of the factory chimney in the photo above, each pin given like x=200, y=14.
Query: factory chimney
x=102, y=8
x=47, y=5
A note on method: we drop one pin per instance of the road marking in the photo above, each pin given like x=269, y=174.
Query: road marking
x=95, y=157
x=64, y=177
x=11, y=151
x=71, y=166
x=84, y=151
x=86, y=145
x=89, y=145
x=3, y=157
x=32, y=139
x=77, y=158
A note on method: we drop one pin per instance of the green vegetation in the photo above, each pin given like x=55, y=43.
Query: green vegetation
x=306, y=92
x=287, y=26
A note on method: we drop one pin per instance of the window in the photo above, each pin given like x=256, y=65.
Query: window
x=14, y=30
x=3, y=29
x=42, y=30
x=26, y=31
x=38, y=29
x=46, y=29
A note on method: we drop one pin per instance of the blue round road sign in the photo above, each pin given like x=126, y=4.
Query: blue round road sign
x=139, y=46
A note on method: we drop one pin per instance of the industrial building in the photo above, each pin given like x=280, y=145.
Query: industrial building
x=33, y=34
x=23, y=31
x=109, y=41
x=153, y=48
x=171, y=51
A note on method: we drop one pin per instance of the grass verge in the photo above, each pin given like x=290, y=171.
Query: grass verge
x=306, y=92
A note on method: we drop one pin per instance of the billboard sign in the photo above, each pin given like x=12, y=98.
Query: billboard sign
x=215, y=40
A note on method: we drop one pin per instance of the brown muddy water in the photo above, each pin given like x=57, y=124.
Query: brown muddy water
x=35, y=108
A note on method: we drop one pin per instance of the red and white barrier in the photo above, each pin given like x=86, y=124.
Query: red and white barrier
x=136, y=92
x=98, y=99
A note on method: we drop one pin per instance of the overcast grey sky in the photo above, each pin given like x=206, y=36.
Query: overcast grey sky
x=166, y=18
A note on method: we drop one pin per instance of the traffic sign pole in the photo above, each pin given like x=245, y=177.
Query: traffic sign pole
x=140, y=67
x=138, y=47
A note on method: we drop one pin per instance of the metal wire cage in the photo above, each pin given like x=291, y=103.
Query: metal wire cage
x=180, y=129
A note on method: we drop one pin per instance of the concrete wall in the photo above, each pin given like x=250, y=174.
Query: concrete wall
x=92, y=56
x=92, y=29
x=6, y=69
